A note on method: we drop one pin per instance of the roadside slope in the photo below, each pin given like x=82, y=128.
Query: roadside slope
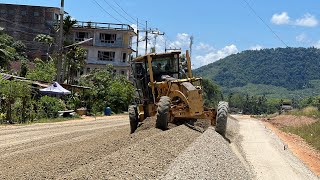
x=266, y=153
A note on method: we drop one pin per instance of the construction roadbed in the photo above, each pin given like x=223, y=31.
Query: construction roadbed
x=104, y=149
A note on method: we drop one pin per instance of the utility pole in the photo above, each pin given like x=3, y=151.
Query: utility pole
x=60, y=43
x=146, y=51
x=156, y=33
x=191, y=43
x=137, y=50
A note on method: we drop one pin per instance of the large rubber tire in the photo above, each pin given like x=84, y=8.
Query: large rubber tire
x=163, y=113
x=222, y=116
x=133, y=116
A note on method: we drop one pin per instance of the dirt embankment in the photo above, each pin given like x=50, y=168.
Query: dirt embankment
x=309, y=155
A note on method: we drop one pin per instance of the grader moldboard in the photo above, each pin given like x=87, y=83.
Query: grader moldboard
x=169, y=91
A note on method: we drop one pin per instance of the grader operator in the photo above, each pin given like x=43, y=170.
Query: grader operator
x=165, y=90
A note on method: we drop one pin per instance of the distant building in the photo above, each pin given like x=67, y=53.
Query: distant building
x=111, y=44
x=25, y=22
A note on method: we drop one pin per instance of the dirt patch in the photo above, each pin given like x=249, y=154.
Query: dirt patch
x=296, y=144
x=289, y=120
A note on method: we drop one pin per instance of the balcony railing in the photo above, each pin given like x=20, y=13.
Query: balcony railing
x=96, y=25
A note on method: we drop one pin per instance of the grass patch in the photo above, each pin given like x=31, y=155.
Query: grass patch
x=309, y=111
x=310, y=133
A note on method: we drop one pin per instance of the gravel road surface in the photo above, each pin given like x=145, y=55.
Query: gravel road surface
x=104, y=149
x=209, y=157
x=267, y=154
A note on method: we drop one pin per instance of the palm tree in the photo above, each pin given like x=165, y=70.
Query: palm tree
x=46, y=39
x=68, y=23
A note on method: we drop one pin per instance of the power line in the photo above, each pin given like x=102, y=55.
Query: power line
x=251, y=8
x=123, y=10
x=118, y=12
x=107, y=11
x=134, y=19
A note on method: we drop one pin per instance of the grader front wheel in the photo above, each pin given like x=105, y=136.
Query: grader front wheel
x=133, y=116
x=163, y=113
x=222, y=115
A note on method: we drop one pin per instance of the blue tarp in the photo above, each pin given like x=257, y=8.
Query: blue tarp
x=55, y=89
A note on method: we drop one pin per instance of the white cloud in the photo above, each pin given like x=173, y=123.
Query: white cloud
x=182, y=41
x=204, y=47
x=279, y=19
x=214, y=55
x=307, y=20
x=256, y=47
x=135, y=27
x=301, y=37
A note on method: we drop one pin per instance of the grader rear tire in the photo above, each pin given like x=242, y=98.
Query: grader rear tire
x=163, y=113
x=133, y=116
x=222, y=116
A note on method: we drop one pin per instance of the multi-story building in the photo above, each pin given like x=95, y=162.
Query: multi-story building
x=110, y=44
x=25, y=22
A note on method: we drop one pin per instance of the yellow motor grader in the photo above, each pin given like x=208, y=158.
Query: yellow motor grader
x=167, y=89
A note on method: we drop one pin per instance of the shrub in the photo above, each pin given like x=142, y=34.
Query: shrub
x=48, y=107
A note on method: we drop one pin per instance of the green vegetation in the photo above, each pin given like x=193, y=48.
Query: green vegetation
x=310, y=133
x=43, y=71
x=107, y=90
x=10, y=50
x=211, y=94
x=276, y=73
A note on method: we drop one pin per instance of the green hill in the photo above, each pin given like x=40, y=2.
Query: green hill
x=280, y=72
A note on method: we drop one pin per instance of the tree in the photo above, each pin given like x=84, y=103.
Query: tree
x=43, y=71
x=211, y=93
x=107, y=89
x=45, y=39
x=68, y=23
x=11, y=91
x=75, y=62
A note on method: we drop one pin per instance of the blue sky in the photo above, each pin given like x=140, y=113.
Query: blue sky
x=220, y=28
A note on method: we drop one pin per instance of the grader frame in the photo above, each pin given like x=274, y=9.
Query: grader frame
x=174, y=96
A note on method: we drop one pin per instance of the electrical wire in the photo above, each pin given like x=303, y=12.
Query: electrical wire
x=251, y=8
x=115, y=10
x=107, y=12
x=134, y=19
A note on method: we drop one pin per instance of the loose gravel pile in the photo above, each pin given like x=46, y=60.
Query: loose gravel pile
x=209, y=157
x=144, y=160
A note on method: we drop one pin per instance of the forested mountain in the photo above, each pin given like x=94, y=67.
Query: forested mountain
x=282, y=70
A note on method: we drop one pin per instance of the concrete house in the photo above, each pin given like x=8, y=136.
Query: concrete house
x=110, y=44
x=24, y=22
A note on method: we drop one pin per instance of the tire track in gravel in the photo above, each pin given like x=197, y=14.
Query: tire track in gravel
x=144, y=160
x=8, y=142
x=61, y=154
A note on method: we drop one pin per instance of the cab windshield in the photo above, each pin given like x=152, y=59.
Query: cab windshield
x=165, y=66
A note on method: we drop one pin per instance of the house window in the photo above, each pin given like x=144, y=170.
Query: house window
x=122, y=72
x=88, y=70
x=23, y=13
x=12, y=12
x=106, y=55
x=3, y=11
x=36, y=13
x=81, y=36
x=56, y=16
x=124, y=57
x=108, y=38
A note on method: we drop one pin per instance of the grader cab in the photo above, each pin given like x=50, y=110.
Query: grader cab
x=167, y=89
